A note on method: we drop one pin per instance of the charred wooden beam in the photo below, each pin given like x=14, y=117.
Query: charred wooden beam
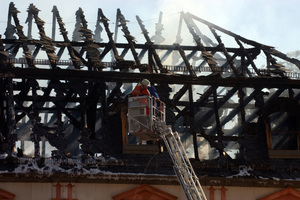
x=64, y=33
x=112, y=45
x=250, y=59
x=137, y=46
x=22, y=37
x=217, y=118
x=45, y=40
x=130, y=39
x=273, y=66
x=220, y=102
x=91, y=49
x=186, y=62
x=228, y=57
x=150, y=43
x=66, y=74
x=267, y=48
x=205, y=54
x=241, y=95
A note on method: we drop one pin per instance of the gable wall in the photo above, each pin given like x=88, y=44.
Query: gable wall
x=94, y=191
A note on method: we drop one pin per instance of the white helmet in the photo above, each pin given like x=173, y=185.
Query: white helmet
x=145, y=82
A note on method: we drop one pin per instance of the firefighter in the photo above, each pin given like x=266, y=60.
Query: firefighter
x=142, y=88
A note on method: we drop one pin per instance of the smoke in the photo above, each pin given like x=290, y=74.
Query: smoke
x=268, y=22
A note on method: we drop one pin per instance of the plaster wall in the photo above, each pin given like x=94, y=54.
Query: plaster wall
x=95, y=191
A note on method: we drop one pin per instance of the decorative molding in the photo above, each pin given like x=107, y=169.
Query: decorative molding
x=58, y=187
x=144, y=192
x=211, y=193
x=287, y=193
x=5, y=195
x=223, y=193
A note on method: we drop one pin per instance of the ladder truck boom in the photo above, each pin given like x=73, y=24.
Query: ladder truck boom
x=182, y=166
x=146, y=121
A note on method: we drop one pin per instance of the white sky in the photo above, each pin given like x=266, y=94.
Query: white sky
x=271, y=22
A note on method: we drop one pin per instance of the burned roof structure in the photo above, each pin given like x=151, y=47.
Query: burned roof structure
x=234, y=113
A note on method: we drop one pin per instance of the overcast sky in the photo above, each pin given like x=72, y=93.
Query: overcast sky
x=271, y=22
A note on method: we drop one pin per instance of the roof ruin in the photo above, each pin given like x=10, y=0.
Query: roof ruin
x=62, y=99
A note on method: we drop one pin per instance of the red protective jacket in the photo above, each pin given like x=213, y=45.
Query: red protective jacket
x=138, y=91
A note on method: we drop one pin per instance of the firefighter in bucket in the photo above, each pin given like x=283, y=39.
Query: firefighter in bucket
x=143, y=91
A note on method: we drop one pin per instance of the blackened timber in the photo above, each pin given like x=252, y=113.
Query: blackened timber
x=217, y=116
x=187, y=63
x=273, y=65
x=73, y=120
x=250, y=59
x=253, y=43
x=246, y=102
x=90, y=48
x=206, y=40
x=234, y=112
x=22, y=37
x=228, y=57
x=54, y=16
x=283, y=56
x=137, y=46
x=36, y=51
x=142, y=53
x=210, y=104
x=276, y=94
x=3, y=55
x=149, y=42
x=130, y=39
x=64, y=33
x=267, y=48
x=15, y=50
x=67, y=74
x=10, y=119
x=205, y=54
x=202, y=99
x=60, y=52
x=151, y=62
x=46, y=41
x=35, y=120
x=212, y=140
x=23, y=98
x=241, y=95
x=104, y=52
x=181, y=92
x=2, y=106
x=124, y=52
x=112, y=44
x=220, y=103
x=114, y=93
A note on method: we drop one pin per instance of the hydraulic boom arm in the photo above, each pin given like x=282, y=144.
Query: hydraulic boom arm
x=182, y=166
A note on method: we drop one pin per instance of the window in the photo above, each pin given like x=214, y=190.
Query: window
x=282, y=122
